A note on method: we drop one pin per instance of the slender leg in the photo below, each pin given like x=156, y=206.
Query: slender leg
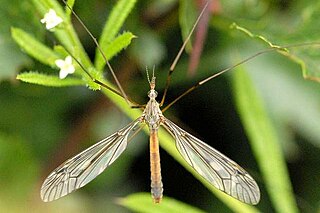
x=220, y=73
x=173, y=65
x=131, y=103
x=123, y=94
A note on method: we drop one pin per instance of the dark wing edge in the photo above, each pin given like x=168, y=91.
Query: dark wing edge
x=216, y=168
x=79, y=170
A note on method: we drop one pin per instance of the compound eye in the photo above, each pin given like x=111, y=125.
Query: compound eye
x=152, y=94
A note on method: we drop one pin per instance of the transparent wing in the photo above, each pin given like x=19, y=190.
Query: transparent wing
x=84, y=167
x=219, y=170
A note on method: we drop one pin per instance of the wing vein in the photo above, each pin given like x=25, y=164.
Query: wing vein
x=85, y=166
x=216, y=168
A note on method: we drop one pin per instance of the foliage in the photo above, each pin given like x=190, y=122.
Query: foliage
x=141, y=202
x=278, y=108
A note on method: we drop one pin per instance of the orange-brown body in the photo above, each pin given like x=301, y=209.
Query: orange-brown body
x=156, y=182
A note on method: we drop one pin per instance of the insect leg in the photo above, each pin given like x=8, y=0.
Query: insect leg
x=122, y=92
x=218, y=74
x=173, y=65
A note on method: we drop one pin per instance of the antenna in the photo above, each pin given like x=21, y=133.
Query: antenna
x=147, y=71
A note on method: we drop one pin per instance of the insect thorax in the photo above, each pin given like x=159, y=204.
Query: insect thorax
x=152, y=114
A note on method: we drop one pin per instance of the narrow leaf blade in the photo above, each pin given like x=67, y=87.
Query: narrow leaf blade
x=187, y=16
x=114, y=47
x=116, y=19
x=49, y=80
x=264, y=142
x=142, y=202
x=34, y=47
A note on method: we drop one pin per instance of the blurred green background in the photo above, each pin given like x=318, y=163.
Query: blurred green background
x=40, y=127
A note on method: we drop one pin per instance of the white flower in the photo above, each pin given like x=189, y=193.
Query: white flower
x=66, y=67
x=51, y=19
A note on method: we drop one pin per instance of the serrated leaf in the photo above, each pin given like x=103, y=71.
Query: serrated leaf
x=34, y=47
x=114, y=47
x=49, y=80
x=264, y=142
x=142, y=202
x=115, y=21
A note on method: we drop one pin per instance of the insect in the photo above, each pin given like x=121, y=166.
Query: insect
x=216, y=168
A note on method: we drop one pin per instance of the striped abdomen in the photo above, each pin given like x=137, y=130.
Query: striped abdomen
x=156, y=182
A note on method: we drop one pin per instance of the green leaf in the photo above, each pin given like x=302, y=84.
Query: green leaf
x=43, y=7
x=34, y=47
x=115, y=21
x=70, y=3
x=114, y=47
x=307, y=31
x=264, y=142
x=303, y=29
x=187, y=17
x=49, y=80
x=11, y=59
x=305, y=54
x=142, y=202
x=252, y=35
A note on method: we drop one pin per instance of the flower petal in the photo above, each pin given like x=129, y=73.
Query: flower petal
x=63, y=74
x=60, y=63
x=68, y=59
x=66, y=66
x=51, y=19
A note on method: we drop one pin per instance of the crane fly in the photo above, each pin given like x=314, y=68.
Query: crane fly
x=213, y=166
